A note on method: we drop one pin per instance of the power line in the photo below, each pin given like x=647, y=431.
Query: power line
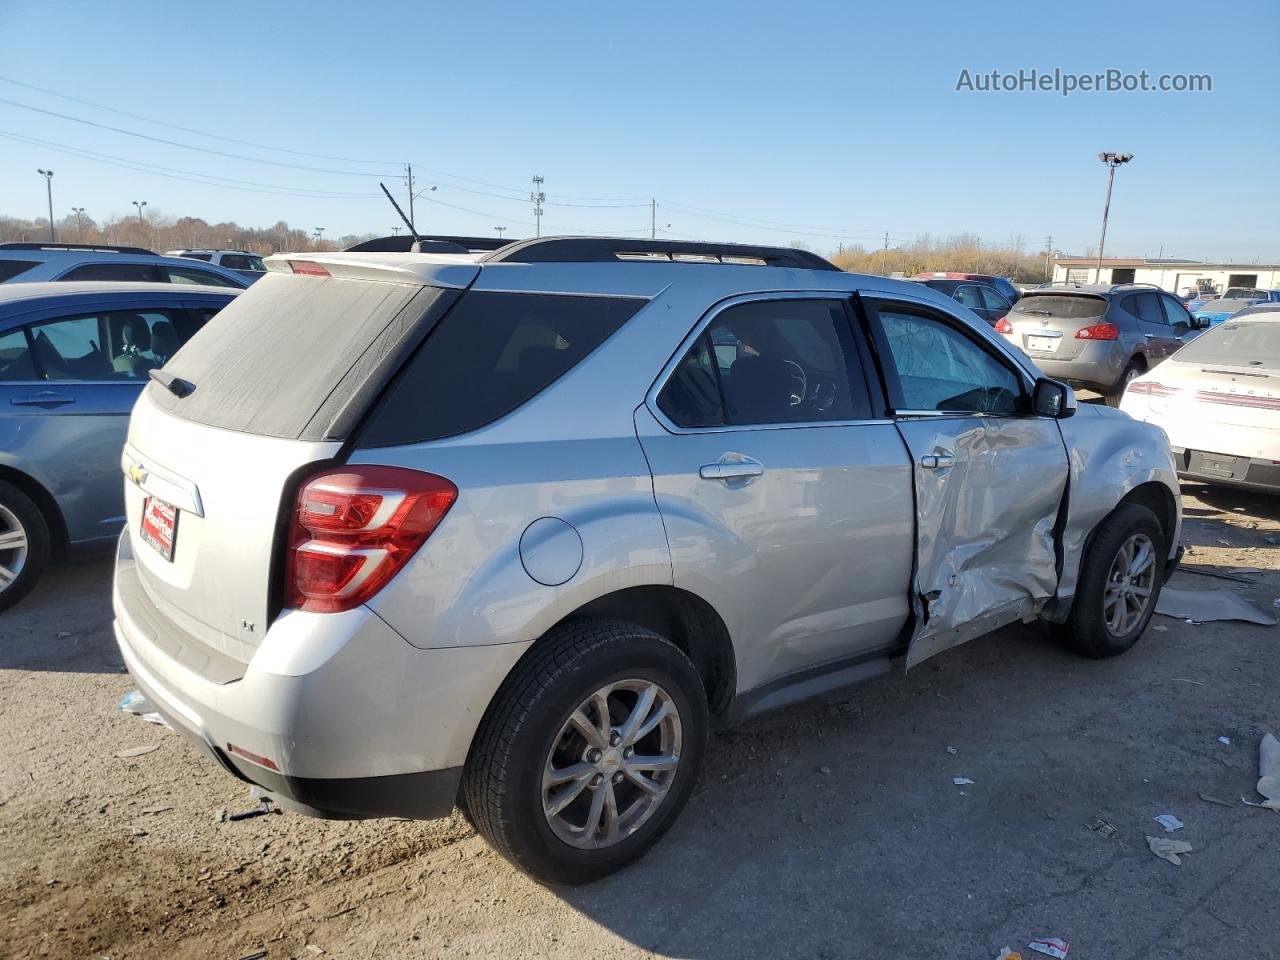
x=174, y=126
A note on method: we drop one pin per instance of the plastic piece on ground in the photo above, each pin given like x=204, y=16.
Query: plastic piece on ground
x=1052, y=946
x=1007, y=954
x=961, y=781
x=1169, y=822
x=1167, y=849
x=1203, y=605
x=1269, y=771
x=134, y=702
x=1226, y=741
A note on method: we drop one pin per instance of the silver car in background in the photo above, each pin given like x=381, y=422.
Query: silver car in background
x=1098, y=337
x=513, y=530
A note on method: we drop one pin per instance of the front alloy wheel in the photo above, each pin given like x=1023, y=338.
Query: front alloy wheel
x=1130, y=584
x=612, y=764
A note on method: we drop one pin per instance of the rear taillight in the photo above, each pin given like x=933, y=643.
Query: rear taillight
x=1099, y=331
x=1150, y=389
x=354, y=528
x=1003, y=325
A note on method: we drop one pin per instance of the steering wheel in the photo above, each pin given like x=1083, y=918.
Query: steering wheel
x=799, y=377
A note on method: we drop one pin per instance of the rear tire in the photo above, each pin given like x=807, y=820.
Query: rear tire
x=24, y=544
x=1109, y=613
x=1131, y=373
x=531, y=786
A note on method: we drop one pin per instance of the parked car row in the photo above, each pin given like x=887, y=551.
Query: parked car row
x=34, y=262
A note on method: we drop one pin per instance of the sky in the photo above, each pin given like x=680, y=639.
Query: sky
x=819, y=123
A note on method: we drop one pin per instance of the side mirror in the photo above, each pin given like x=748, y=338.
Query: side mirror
x=1201, y=323
x=1053, y=399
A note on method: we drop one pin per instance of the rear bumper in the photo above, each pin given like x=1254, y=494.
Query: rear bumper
x=1098, y=367
x=351, y=720
x=1246, y=473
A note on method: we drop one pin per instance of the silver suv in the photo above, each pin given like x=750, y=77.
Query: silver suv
x=513, y=530
x=1099, y=337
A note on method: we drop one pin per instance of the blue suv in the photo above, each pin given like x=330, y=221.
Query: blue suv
x=73, y=358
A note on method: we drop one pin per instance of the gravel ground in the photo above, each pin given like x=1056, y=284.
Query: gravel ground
x=828, y=830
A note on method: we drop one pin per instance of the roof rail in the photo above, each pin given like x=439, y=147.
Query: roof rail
x=613, y=249
x=98, y=247
x=402, y=243
x=1147, y=286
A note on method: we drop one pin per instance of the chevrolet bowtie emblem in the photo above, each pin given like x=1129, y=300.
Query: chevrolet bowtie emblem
x=137, y=473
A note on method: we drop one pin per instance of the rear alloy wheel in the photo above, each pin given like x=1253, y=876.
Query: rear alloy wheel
x=588, y=752
x=24, y=544
x=1131, y=373
x=1119, y=585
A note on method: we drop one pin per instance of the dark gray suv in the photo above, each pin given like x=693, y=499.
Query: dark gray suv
x=1098, y=337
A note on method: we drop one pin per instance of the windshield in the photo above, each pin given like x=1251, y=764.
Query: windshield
x=1060, y=307
x=1237, y=343
x=1242, y=293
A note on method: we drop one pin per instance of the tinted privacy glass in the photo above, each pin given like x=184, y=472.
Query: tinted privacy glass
x=1061, y=308
x=1149, y=309
x=490, y=354
x=237, y=261
x=1236, y=343
x=146, y=272
x=15, y=358
x=969, y=296
x=939, y=368
x=772, y=361
x=993, y=299
x=196, y=275
x=11, y=268
x=290, y=346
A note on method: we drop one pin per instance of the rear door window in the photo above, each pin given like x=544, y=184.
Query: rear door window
x=72, y=348
x=15, y=357
x=196, y=275
x=145, y=272
x=992, y=299
x=969, y=296
x=12, y=268
x=767, y=362
x=1149, y=309
x=489, y=355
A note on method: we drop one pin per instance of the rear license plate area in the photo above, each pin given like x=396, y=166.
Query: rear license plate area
x=1218, y=465
x=1043, y=344
x=159, y=527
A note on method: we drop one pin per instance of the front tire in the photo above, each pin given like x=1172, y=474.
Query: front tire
x=1120, y=582
x=589, y=751
x=24, y=544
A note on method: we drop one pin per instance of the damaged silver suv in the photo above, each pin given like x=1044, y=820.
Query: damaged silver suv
x=513, y=530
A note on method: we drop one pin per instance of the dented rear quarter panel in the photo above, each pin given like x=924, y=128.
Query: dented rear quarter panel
x=1110, y=455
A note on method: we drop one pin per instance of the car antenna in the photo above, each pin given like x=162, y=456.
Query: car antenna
x=413, y=233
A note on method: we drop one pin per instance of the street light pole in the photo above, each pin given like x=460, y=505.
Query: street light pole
x=48, y=183
x=500, y=232
x=1112, y=160
x=79, y=212
x=319, y=234
x=140, y=204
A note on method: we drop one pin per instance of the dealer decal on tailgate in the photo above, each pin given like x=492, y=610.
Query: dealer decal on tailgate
x=159, y=526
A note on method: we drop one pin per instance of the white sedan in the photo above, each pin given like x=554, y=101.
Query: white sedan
x=1218, y=399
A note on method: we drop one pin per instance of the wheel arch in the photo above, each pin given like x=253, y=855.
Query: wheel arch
x=46, y=503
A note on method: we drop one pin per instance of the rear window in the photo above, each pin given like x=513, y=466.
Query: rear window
x=490, y=354
x=11, y=268
x=1238, y=344
x=1060, y=307
x=298, y=357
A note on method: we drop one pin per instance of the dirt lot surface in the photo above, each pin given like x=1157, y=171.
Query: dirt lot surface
x=829, y=830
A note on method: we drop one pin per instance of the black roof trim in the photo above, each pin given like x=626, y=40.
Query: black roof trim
x=613, y=249
x=97, y=247
x=400, y=243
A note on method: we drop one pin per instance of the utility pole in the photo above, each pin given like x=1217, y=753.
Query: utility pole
x=48, y=185
x=140, y=204
x=977, y=252
x=79, y=213
x=1112, y=160
x=1048, y=252
x=500, y=232
x=536, y=196
x=395, y=231
x=653, y=218
x=319, y=235
x=884, y=257
x=408, y=178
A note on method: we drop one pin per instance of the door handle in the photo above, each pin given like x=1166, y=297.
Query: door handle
x=45, y=398
x=938, y=461
x=731, y=469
